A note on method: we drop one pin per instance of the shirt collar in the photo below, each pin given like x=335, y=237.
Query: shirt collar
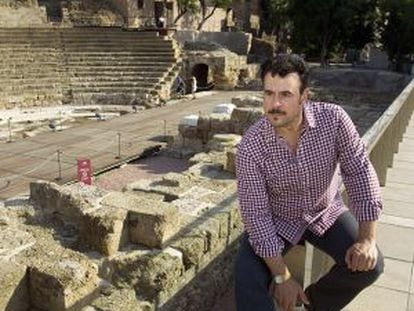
x=309, y=115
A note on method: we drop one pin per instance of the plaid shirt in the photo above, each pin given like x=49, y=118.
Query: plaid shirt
x=281, y=194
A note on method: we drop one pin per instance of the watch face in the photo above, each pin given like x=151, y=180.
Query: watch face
x=278, y=279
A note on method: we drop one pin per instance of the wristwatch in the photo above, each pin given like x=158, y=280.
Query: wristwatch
x=281, y=278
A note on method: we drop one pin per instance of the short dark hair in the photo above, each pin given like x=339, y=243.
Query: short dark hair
x=283, y=64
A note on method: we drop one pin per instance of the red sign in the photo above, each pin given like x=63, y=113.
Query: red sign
x=85, y=171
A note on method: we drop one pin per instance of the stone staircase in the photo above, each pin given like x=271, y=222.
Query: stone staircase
x=84, y=66
x=31, y=71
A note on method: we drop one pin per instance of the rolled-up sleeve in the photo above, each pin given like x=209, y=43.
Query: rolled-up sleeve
x=358, y=174
x=254, y=206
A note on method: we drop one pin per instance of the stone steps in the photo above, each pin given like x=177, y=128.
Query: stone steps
x=110, y=85
x=111, y=90
x=99, y=79
x=35, y=88
x=120, y=63
x=162, y=58
x=50, y=80
x=106, y=68
x=110, y=74
x=84, y=62
x=115, y=48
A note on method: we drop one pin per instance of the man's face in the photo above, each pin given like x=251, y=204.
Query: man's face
x=283, y=101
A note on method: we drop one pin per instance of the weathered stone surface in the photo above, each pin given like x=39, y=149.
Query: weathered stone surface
x=231, y=160
x=188, y=131
x=203, y=226
x=191, y=206
x=14, y=241
x=208, y=171
x=149, y=272
x=171, y=186
x=220, y=123
x=221, y=142
x=104, y=230
x=53, y=198
x=14, y=291
x=116, y=300
x=150, y=222
x=218, y=271
x=192, y=247
x=247, y=101
x=224, y=65
x=243, y=118
x=66, y=282
x=92, y=13
x=185, y=147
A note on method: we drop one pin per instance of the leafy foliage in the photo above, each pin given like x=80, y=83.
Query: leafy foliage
x=398, y=28
x=206, y=13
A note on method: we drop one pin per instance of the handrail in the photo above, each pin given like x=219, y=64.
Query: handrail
x=375, y=132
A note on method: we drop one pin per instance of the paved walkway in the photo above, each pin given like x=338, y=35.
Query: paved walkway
x=394, y=291
x=27, y=160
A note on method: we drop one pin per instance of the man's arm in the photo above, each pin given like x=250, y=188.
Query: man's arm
x=363, y=189
x=254, y=206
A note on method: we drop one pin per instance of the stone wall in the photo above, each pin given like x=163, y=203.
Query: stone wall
x=374, y=80
x=93, y=13
x=236, y=42
x=28, y=14
x=223, y=66
x=83, y=248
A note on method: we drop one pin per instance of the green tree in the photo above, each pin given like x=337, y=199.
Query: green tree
x=276, y=21
x=398, y=34
x=320, y=26
x=186, y=6
x=207, y=11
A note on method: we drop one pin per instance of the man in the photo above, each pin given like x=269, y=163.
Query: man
x=289, y=191
x=193, y=87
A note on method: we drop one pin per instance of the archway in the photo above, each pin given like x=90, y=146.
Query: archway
x=200, y=72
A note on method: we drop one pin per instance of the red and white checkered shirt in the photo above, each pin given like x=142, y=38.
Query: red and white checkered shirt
x=281, y=194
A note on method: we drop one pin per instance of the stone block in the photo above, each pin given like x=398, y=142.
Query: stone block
x=247, y=101
x=231, y=161
x=149, y=272
x=104, y=230
x=188, y=131
x=206, y=227
x=170, y=187
x=116, y=300
x=243, y=118
x=53, y=198
x=192, y=247
x=65, y=283
x=14, y=290
x=205, y=170
x=220, y=123
x=150, y=223
x=14, y=241
x=221, y=142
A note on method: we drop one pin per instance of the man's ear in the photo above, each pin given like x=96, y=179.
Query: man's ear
x=305, y=95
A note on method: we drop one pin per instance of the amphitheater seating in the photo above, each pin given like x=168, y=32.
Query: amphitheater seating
x=44, y=66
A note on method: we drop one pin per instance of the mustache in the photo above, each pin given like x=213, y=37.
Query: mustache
x=276, y=111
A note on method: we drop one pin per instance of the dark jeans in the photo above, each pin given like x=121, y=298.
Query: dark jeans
x=332, y=292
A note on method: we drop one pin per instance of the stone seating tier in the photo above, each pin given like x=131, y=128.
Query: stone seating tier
x=64, y=64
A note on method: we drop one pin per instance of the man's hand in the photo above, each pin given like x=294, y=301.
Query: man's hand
x=287, y=294
x=362, y=256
